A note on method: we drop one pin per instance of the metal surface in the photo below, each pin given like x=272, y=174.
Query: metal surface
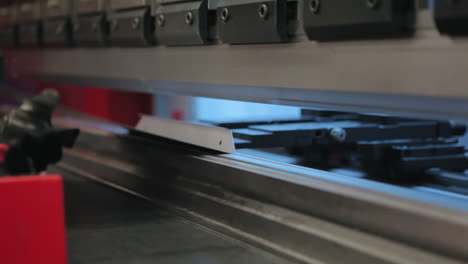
x=210, y=137
x=57, y=32
x=252, y=21
x=124, y=4
x=335, y=19
x=423, y=76
x=132, y=28
x=107, y=226
x=57, y=8
x=305, y=214
x=30, y=35
x=451, y=16
x=91, y=30
x=9, y=36
x=88, y=6
x=184, y=23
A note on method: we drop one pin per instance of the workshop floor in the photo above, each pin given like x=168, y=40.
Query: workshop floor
x=108, y=226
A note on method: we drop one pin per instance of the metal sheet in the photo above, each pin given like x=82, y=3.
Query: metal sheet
x=210, y=137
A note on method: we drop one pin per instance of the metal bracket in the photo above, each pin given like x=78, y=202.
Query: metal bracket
x=9, y=36
x=91, y=30
x=30, y=35
x=57, y=32
x=326, y=20
x=183, y=23
x=253, y=21
x=451, y=16
x=132, y=28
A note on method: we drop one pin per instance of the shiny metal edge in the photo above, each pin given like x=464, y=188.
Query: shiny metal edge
x=210, y=137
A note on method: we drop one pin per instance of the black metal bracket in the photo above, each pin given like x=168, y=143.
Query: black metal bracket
x=30, y=35
x=91, y=30
x=132, y=27
x=451, y=16
x=253, y=21
x=327, y=20
x=9, y=36
x=183, y=23
x=57, y=32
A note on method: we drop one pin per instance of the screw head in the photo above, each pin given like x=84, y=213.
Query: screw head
x=136, y=23
x=263, y=11
x=314, y=6
x=373, y=3
x=161, y=20
x=189, y=18
x=338, y=134
x=225, y=15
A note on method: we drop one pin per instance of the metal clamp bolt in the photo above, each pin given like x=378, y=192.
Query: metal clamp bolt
x=161, y=20
x=314, y=6
x=189, y=18
x=338, y=134
x=263, y=11
x=225, y=15
x=136, y=23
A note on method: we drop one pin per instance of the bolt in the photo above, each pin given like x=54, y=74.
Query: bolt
x=161, y=20
x=225, y=15
x=338, y=134
x=263, y=11
x=372, y=3
x=136, y=23
x=189, y=18
x=314, y=6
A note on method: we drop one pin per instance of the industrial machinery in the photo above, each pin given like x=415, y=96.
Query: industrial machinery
x=371, y=169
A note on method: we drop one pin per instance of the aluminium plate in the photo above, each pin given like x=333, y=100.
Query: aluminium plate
x=210, y=137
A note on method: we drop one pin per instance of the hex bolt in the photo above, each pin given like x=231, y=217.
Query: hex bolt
x=225, y=15
x=161, y=20
x=338, y=134
x=263, y=11
x=373, y=3
x=136, y=23
x=314, y=6
x=189, y=18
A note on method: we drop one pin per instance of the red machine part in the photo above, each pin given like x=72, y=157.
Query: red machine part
x=32, y=220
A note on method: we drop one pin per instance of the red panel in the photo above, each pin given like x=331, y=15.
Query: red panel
x=32, y=220
x=118, y=106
